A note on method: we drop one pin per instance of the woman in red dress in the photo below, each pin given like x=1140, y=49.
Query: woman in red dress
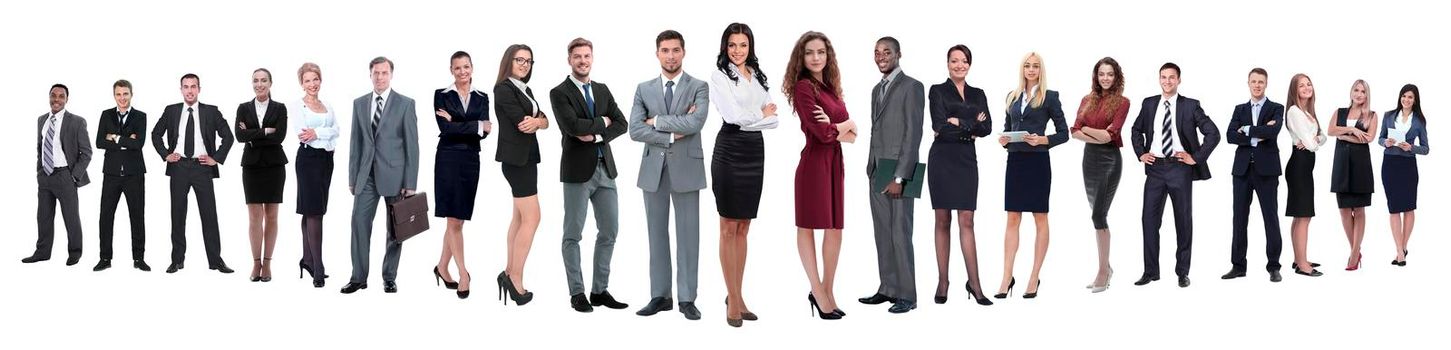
x=813, y=84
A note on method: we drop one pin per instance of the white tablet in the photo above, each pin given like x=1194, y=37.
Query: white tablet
x=1015, y=136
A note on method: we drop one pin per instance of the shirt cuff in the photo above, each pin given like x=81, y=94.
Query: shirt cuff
x=899, y=180
x=1244, y=130
x=481, y=129
x=599, y=139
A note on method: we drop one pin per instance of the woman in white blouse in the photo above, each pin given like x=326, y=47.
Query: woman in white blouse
x=1307, y=135
x=738, y=88
x=317, y=134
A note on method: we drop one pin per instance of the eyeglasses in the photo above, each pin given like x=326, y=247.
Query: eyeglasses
x=522, y=61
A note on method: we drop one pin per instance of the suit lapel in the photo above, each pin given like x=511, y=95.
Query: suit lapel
x=881, y=105
x=677, y=104
x=1181, y=124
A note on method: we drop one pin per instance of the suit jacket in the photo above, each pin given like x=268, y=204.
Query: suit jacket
x=515, y=147
x=262, y=150
x=390, y=156
x=123, y=157
x=946, y=103
x=1035, y=120
x=1268, y=152
x=166, y=135
x=462, y=133
x=683, y=158
x=74, y=142
x=897, y=126
x=1417, y=131
x=578, y=160
x=1188, y=118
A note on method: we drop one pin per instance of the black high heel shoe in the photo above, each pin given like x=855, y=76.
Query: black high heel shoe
x=506, y=285
x=302, y=266
x=266, y=267
x=942, y=298
x=1011, y=283
x=463, y=293
x=817, y=309
x=1034, y=294
x=439, y=277
x=256, y=270
x=972, y=294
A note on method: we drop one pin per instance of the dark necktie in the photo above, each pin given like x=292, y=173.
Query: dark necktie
x=1168, y=132
x=589, y=102
x=190, y=130
x=669, y=94
x=377, y=113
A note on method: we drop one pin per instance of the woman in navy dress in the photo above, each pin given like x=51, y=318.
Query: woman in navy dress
x=1029, y=170
x=462, y=114
x=1351, y=177
x=959, y=117
x=1404, y=137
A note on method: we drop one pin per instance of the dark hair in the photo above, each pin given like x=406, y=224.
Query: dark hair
x=1260, y=71
x=965, y=52
x=896, y=45
x=121, y=84
x=577, y=42
x=669, y=34
x=191, y=76
x=263, y=70
x=723, y=60
x=458, y=55
x=506, y=63
x=1293, y=98
x=1415, y=106
x=1171, y=65
x=796, y=68
x=1104, y=98
x=62, y=87
x=381, y=60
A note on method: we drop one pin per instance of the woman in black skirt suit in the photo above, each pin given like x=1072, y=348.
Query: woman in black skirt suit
x=959, y=117
x=1305, y=130
x=462, y=113
x=1404, y=137
x=738, y=90
x=1029, y=171
x=1352, y=178
x=520, y=116
x=260, y=125
x=317, y=133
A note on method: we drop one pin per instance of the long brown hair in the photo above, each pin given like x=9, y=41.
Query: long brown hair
x=1293, y=98
x=1109, y=99
x=506, y=65
x=796, y=67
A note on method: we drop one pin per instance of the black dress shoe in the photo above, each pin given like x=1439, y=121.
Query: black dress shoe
x=691, y=313
x=390, y=287
x=1145, y=279
x=1232, y=274
x=72, y=261
x=1275, y=276
x=1183, y=281
x=174, y=267
x=221, y=267
x=902, y=306
x=605, y=299
x=749, y=316
x=877, y=299
x=656, y=305
x=34, y=259
x=1312, y=273
x=141, y=265
x=353, y=287
x=102, y=265
x=579, y=303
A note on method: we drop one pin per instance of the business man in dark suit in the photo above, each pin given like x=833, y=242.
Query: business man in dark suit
x=1254, y=127
x=588, y=120
x=667, y=116
x=62, y=153
x=898, y=106
x=1164, y=137
x=122, y=133
x=382, y=162
x=194, y=139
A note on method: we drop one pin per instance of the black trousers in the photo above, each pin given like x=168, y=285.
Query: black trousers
x=1168, y=179
x=1245, y=189
x=134, y=188
x=192, y=175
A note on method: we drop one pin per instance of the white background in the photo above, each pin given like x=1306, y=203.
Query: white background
x=90, y=45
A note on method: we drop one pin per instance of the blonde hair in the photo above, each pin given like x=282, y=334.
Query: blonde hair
x=307, y=67
x=1042, y=89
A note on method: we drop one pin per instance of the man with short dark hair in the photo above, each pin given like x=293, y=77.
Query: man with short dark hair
x=63, y=152
x=122, y=133
x=194, y=139
x=1254, y=126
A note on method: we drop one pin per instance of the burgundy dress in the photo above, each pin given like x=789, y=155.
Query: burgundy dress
x=819, y=174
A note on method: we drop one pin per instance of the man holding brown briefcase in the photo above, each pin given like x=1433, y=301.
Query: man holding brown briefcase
x=382, y=162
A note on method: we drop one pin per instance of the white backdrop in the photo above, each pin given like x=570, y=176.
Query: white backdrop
x=90, y=45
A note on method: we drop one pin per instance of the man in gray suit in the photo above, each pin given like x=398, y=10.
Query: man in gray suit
x=63, y=151
x=897, y=113
x=382, y=162
x=667, y=116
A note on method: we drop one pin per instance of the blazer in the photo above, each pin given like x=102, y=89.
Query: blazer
x=1188, y=118
x=942, y=103
x=578, y=160
x=463, y=132
x=683, y=158
x=74, y=142
x=897, y=126
x=1268, y=152
x=123, y=157
x=389, y=157
x=1035, y=120
x=165, y=136
x=1417, y=132
x=262, y=150
x=515, y=147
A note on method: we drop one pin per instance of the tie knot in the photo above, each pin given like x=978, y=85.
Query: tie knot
x=669, y=83
x=378, y=98
x=1166, y=104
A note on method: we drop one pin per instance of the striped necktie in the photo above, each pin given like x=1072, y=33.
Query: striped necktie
x=1168, y=131
x=46, y=162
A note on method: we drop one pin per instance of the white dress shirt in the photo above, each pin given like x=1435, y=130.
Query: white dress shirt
x=1027, y=99
x=1254, y=119
x=261, y=107
x=373, y=105
x=199, y=148
x=57, y=155
x=1303, y=130
x=1157, y=146
x=739, y=102
x=324, y=124
x=463, y=99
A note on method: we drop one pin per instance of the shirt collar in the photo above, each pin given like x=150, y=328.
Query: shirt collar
x=452, y=87
x=893, y=75
x=193, y=106
x=577, y=83
x=59, y=115
x=387, y=93
x=1261, y=101
x=1172, y=99
x=663, y=79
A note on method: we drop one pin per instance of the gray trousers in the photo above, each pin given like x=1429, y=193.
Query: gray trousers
x=60, y=187
x=892, y=227
x=365, y=209
x=600, y=191
x=687, y=239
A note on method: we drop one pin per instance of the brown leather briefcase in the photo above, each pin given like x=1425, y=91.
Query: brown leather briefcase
x=409, y=216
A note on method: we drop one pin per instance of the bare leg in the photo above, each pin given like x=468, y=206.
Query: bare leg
x=269, y=238
x=513, y=236
x=830, y=254
x=728, y=266
x=1359, y=236
x=529, y=223
x=255, y=216
x=969, y=249
x=1010, y=249
x=1040, y=248
x=942, y=236
x=1103, y=265
x=806, y=248
x=743, y=228
x=454, y=239
x=1298, y=237
x=1409, y=218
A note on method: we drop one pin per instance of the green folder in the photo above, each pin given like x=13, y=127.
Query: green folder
x=886, y=173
